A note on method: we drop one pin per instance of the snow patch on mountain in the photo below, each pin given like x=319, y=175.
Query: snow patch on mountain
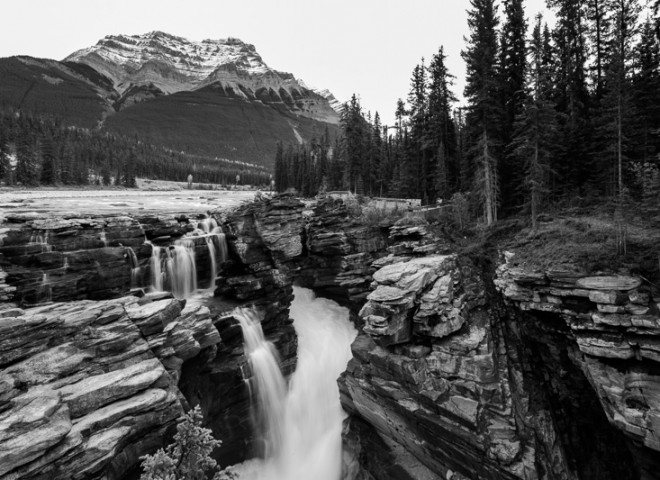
x=325, y=93
x=170, y=64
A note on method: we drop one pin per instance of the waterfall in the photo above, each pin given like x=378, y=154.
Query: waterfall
x=217, y=254
x=135, y=267
x=268, y=386
x=173, y=268
x=42, y=240
x=156, y=268
x=180, y=268
x=103, y=238
x=312, y=416
x=207, y=225
x=45, y=290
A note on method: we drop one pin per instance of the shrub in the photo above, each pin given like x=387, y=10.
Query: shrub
x=189, y=457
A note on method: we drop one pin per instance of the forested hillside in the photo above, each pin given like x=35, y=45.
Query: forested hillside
x=554, y=115
x=40, y=150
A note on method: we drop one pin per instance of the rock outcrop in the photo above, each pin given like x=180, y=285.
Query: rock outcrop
x=88, y=387
x=45, y=259
x=339, y=252
x=452, y=383
x=613, y=322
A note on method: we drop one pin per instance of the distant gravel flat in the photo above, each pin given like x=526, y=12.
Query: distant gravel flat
x=91, y=202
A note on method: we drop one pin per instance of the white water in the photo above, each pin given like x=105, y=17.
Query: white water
x=217, y=253
x=311, y=421
x=174, y=268
x=181, y=268
x=45, y=290
x=135, y=267
x=42, y=240
x=267, y=383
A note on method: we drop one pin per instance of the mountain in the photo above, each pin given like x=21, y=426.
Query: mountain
x=215, y=97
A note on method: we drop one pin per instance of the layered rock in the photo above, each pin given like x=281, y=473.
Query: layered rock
x=45, y=259
x=340, y=252
x=87, y=387
x=614, y=323
x=453, y=384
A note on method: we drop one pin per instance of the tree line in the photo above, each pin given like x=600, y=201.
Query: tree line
x=42, y=150
x=552, y=115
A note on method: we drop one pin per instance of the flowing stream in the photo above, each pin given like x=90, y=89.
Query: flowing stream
x=300, y=427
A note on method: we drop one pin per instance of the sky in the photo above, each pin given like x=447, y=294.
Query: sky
x=366, y=47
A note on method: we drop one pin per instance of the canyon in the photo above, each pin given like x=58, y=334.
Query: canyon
x=465, y=366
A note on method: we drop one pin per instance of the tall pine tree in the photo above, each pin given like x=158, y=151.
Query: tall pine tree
x=484, y=110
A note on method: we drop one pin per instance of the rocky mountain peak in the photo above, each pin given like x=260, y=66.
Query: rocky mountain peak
x=158, y=63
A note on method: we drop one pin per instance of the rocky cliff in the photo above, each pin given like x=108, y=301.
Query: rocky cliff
x=454, y=378
x=88, y=387
x=45, y=258
x=125, y=368
x=464, y=369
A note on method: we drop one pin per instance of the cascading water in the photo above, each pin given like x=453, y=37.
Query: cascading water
x=42, y=240
x=217, y=253
x=156, y=268
x=135, y=267
x=207, y=225
x=267, y=383
x=173, y=268
x=180, y=268
x=45, y=290
x=312, y=417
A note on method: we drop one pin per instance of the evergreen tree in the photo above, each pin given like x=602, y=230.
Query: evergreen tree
x=484, y=110
x=418, y=167
x=353, y=128
x=575, y=164
x=5, y=166
x=26, y=158
x=646, y=104
x=512, y=64
x=49, y=169
x=441, y=133
x=536, y=125
x=599, y=31
x=280, y=169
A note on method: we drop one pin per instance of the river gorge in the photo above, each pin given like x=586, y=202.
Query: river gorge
x=323, y=345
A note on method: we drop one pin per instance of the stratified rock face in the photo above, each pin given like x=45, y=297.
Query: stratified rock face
x=422, y=296
x=614, y=321
x=44, y=259
x=453, y=384
x=86, y=388
x=340, y=252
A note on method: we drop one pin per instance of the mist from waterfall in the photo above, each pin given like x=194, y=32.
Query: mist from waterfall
x=311, y=420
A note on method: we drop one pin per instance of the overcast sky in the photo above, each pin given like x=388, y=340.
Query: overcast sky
x=369, y=47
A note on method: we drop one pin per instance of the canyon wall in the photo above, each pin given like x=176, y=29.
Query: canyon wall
x=463, y=369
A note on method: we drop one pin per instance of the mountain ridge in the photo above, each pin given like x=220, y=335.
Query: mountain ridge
x=216, y=98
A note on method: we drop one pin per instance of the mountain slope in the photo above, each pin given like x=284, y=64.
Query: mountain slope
x=210, y=122
x=170, y=64
x=74, y=92
x=215, y=98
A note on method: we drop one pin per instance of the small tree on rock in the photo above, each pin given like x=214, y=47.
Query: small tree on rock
x=189, y=457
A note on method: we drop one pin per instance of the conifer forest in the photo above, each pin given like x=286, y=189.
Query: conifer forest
x=554, y=116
